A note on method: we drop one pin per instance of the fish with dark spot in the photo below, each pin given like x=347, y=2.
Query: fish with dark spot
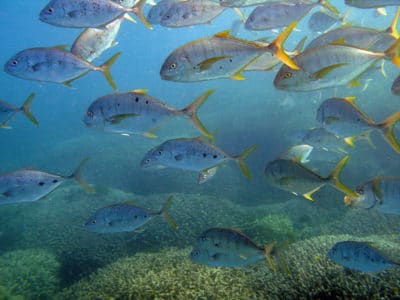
x=88, y=13
x=27, y=185
x=360, y=256
x=125, y=217
x=136, y=112
x=226, y=247
x=191, y=155
x=55, y=64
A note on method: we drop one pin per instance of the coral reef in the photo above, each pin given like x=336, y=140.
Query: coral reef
x=30, y=274
x=313, y=276
x=170, y=274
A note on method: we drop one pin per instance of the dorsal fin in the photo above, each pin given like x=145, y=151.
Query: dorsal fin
x=226, y=33
x=140, y=91
x=61, y=47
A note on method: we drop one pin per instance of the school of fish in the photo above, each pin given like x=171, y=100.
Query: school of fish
x=340, y=55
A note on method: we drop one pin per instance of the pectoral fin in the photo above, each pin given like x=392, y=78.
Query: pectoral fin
x=209, y=62
x=325, y=71
x=308, y=195
x=119, y=118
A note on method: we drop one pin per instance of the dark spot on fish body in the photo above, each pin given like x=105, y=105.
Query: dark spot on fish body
x=217, y=245
x=230, y=60
x=137, y=99
x=178, y=157
x=147, y=101
x=135, y=217
x=55, y=181
x=215, y=156
x=41, y=183
x=204, y=155
x=145, y=216
x=220, y=67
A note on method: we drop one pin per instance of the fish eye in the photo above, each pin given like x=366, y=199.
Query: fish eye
x=160, y=152
x=172, y=66
x=288, y=74
x=90, y=113
x=94, y=222
x=360, y=190
x=50, y=10
x=14, y=62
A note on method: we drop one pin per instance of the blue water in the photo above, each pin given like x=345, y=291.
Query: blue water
x=242, y=113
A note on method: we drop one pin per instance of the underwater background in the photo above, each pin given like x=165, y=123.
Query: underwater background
x=45, y=251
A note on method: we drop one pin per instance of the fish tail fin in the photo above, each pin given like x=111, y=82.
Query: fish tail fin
x=267, y=252
x=300, y=46
x=78, y=178
x=191, y=112
x=329, y=6
x=26, y=109
x=345, y=16
x=393, y=52
x=242, y=157
x=387, y=127
x=240, y=14
x=392, y=29
x=166, y=216
x=137, y=10
x=367, y=137
x=105, y=68
x=277, y=47
x=129, y=18
x=334, y=177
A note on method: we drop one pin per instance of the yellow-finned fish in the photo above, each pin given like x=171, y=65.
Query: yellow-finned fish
x=226, y=247
x=380, y=193
x=55, y=65
x=282, y=13
x=191, y=12
x=361, y=37
x=220, y=56
x=8, y=111
x=344, y=119
x=193, y=154
x=136, y=112
x=372, y=3
x=292, y=176
x=88, y=13
x=331, y=65
x=242, y=3
x=92, y=42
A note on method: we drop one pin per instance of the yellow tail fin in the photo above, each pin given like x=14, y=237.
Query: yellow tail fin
x=276, y=47
x=77, y=176
x=191, y=112
x=334, y=178
x=387, y=127
x=164, y=213
x=137, y=10
x=392, y=30
x=329, y=6
x=26, y=109
x=105, y=68
x=393, y=52
x=267, y=251
x=241, y=160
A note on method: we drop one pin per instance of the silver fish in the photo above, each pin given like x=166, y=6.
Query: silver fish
x=156, y=13
x=298, y=153
x=220, y=56
x=226, y=247
x=92, y=42
x=8, y=111
x=54, y=65
x=331, y=65
x=136, y=112
x=360, y=37
x=191, y=12
x=343, y=118
x=381, y=194
x=372, y=3
x=31, y=185
x=360, y=256
x=281, y=14
x=193, y=154
x=321, y=21
x=87, y=13
x=125, y=217
x=290, y=175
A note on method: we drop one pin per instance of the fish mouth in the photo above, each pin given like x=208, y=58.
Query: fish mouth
x=166, y=76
